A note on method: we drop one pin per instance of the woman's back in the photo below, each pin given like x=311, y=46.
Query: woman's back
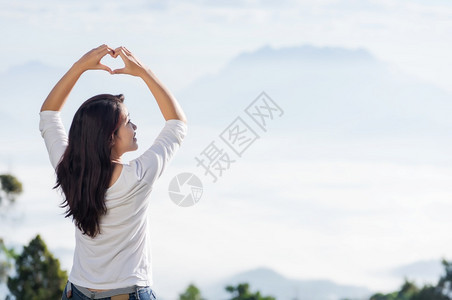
x=108, y=200
x=120, y=254
x=123, y=246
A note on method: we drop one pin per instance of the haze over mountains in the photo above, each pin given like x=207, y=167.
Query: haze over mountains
x=328, y=90
x=332, y=93
x=271, y=283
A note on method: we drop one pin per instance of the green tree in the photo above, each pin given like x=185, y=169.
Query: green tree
x=429, y=292
x=38, y=274
x=241, y=292
x=380, y=296
x=7, y=258
x=444, y=285
x=409, y=291
x=191, y=293
x=10, y=187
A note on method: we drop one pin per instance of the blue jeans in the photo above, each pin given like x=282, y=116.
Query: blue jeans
x=144, y=293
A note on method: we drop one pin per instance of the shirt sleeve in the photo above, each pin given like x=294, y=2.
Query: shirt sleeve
x=151, y=164
x=54, y=134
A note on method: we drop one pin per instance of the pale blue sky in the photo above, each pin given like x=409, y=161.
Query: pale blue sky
x=185, y=39
x=324, y=231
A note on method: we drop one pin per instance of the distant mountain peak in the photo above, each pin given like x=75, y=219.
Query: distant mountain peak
x=304, y=53
x=260, y=272
x=270, y=282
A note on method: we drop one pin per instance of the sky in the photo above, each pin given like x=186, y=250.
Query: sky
x=183, y=41
x=187, y=39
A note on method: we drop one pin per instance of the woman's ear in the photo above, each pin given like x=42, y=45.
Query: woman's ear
x=112, y=140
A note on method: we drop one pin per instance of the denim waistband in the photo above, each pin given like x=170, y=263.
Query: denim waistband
x=104, y=294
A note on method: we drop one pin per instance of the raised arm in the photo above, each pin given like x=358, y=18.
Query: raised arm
x=90, y=61
x=167, y=103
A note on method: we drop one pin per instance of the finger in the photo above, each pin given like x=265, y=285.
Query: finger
x=119, y=71
x=127, y=51
x=104, y=46
x=124, y=49
x=104, y=67
x=115, y=53
x=105, y=50
x=111, y=51
x=123, y=55
x=101, y=48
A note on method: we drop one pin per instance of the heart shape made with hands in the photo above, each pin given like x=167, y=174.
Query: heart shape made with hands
x=113, y=62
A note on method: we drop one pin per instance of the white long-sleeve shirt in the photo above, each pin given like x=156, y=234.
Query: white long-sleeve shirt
x=120, y=255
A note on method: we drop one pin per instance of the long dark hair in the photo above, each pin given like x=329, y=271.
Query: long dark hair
x=85, y=171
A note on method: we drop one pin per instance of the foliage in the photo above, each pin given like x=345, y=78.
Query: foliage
x=241, y=292
x=191, y=293
x=445, y=282
x=409, y=291
x=7, y=258
x=429, y=293
x=38, y=273
x=10, y=186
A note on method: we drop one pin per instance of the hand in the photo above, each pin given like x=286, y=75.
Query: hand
x=132, y=65
x=91, y=60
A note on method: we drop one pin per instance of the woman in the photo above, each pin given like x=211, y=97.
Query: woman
x=107, y=199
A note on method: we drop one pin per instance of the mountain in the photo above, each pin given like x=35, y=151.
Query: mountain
x=423, y=271
x=329, y=91
x=329, y=96
x=271, y=283
x=336, y=92
x=305, y=53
